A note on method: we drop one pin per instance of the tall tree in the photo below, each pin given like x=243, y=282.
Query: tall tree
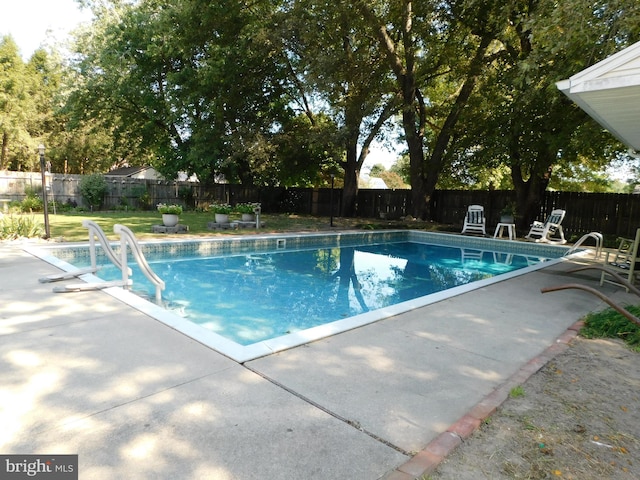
x=335, y=67
x=519, y=118
x=187, y=82
x=428, y=46
x=17, y=108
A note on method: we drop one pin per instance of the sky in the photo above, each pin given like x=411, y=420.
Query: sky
x=33, y=23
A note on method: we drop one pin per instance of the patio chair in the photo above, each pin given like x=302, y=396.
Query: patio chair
x=474, y=221
x=469, y=255
x=623, y=260
x=545, y=232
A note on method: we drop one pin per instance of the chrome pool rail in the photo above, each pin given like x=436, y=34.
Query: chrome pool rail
x=127, y=237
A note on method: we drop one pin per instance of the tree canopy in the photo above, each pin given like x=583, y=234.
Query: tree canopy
x=290, y=92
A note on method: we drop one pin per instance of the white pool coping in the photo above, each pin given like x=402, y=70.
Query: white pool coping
x=241, y=353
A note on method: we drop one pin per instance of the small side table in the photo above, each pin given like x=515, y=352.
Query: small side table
x=511, y=230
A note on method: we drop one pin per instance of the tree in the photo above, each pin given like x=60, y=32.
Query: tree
x=17, y=108
x=29, y=98
x=334, y=66
x=190, y=85
x=520, y=119
x=308, y=152
x=436, y=51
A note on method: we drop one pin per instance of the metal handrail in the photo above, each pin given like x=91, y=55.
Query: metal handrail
x=127, y=237
x=96, y=231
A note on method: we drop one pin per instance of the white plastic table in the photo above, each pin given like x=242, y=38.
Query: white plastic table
x=511, y=230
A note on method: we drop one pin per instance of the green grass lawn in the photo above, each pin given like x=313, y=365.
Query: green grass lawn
x=68, y=227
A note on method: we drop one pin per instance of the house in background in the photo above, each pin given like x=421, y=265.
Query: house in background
x=147, y=173
x=366, y=181
x=142, y=173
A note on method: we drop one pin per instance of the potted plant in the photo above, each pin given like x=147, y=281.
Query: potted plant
x=247, y=210
x=221, y=212
x=508, y=213
x=170, y=214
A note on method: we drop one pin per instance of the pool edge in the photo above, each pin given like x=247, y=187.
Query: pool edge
x=241, y=354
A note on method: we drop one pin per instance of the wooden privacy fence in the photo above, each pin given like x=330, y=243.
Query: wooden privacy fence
x=612, y=214
x=608, y=213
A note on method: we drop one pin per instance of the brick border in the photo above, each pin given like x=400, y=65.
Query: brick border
x=427, y=460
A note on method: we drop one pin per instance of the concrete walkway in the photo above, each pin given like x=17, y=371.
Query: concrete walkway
x=82, y=373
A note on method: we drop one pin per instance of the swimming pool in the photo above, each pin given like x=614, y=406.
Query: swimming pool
x=259, y=294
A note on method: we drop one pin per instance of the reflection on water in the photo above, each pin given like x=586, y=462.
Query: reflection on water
x=249, y=298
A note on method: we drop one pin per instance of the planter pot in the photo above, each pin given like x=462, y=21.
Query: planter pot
x=222, y=217
x=248, y=217
x=507, y=219
x=170, y=219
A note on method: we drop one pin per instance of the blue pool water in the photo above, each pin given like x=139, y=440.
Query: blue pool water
x=252, y=297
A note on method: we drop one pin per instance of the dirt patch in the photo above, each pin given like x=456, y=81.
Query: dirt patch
x=577, y=418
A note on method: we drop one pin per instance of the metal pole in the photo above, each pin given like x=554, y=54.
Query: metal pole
x=47, y=232
x=331, y=199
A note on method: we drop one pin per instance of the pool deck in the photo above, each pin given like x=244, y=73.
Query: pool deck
x=82, y=373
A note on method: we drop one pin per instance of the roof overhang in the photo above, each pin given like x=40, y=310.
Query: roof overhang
x=609, y=92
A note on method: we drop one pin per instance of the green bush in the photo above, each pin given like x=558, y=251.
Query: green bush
x=93, y=188
x=31, y=204
x=30, y=191
x=16, y=226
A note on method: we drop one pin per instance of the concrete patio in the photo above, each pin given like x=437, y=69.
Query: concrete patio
x=82, y=373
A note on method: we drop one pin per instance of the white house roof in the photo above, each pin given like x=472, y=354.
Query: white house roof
x=609, y=92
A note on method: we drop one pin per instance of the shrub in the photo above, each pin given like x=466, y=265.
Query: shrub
x=186, y=194
x=16, y=226
x=93, y=188
x=31, y=204
x=33, y=200
x=142, y=195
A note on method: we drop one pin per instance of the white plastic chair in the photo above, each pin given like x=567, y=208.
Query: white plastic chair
x=474, y=220
x=623, y=260
x=544, y=232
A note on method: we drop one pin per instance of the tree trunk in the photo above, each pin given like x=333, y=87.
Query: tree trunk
x=350, y=188
x=435, y=163
x=5, y=150
x=529, y=194
x=419, y=201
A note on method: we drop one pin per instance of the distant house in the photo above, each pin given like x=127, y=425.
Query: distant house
x=144, y=172
x=376, y=183
x=147, y=173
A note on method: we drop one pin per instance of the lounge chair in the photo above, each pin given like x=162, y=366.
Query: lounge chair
x=474, y=221
x=544, y=232
x=623, y=260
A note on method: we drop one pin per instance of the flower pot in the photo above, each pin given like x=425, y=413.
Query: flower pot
x=507, y=219
x=248, y=217
x=170, y=219
x=222, y=217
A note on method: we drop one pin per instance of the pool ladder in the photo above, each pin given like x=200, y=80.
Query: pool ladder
x=127, y=237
